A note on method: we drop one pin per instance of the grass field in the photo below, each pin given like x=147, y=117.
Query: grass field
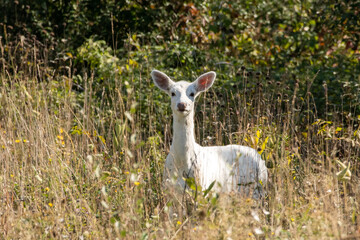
x=79, y=164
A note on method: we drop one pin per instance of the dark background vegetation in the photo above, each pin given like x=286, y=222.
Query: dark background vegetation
x=289, y=40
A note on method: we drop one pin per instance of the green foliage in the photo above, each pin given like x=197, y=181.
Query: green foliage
x=97, y=56
x=291, y=39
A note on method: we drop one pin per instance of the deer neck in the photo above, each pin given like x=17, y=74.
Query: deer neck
x=183, y=145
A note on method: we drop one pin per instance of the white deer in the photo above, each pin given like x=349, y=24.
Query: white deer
x=235, y=168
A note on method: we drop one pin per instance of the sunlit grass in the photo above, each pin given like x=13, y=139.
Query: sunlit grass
x=72, y=170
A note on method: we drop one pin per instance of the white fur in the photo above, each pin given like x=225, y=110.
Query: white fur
x=233, y=167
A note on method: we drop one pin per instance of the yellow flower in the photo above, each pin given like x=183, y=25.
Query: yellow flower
x=50, y=204
x=136, y=183
x=61, y=130
x=11, y=175
x=25, y=140
x=178, y=223
x=127, y=172
x=60, y=137
x=17, y=140
x=292, y=219
x=47, y=189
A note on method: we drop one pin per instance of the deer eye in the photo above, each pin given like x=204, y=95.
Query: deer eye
x=192, y=94
x=173, y=94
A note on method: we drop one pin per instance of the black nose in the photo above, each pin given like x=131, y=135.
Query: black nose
x=181, y=107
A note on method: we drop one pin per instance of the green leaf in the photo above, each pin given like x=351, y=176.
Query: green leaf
x=338, y=129
x=191, y=183
x=263, y=145
x=209, y=188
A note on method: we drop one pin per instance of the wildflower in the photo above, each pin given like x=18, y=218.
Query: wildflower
x=61, y=130
x=60, y=137
x=25, y=141
x=17, y=140
x=127, y=172
x=50, y=204
x=11, y=175
x=136, y=183
x=47, y=189
x=292, y=219
x=178, y=223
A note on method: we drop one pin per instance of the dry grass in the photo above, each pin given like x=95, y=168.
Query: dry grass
x=71, y=170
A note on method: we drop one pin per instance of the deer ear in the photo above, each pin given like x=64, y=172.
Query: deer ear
x=205, y=81
x=161, y=80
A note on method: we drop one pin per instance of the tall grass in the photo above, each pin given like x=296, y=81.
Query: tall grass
x=74, y=167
